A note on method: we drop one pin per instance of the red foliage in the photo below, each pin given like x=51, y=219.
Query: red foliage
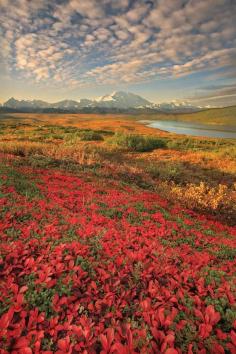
x=94, y=267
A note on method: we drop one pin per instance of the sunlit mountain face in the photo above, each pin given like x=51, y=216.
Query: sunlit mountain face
x=162, y=50
x=116, y=101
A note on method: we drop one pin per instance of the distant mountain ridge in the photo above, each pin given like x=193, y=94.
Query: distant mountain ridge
x=117, y=101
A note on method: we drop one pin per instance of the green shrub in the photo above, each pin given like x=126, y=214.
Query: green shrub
x=166, y=172
x=105, y=132
x=138, y=143
x=196, y=144
x=90, y=135
x=84, y=135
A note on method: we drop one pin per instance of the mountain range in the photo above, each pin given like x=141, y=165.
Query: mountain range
x=117, y=101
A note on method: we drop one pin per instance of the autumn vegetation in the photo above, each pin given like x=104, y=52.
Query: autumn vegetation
x=199, y=172
x=115, y=238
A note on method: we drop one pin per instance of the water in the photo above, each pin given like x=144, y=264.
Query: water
x=194, y=129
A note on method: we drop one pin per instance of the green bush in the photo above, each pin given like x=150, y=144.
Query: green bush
x=166, y=172
x=138, y=143
x=83, y=135
x=195, y=144
x=90, y=135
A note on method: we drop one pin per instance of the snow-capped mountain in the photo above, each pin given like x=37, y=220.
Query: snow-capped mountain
x=123, y=100
x=66, y=105
x=117, y=100
x=72, y=105
x=18, y=104
x=177, y=106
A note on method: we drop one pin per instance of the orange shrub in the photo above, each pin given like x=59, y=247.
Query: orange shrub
x=202, y=196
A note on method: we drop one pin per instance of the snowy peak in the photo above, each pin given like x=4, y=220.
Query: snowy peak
x=117, y=100
x=122, y=100
x=177, y=106
x=66, y=104
x=105, y=98
x=13, y=103
x=126, y=100
x=37, y=104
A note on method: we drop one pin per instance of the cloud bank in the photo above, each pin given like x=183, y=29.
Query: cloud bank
x=97, y=42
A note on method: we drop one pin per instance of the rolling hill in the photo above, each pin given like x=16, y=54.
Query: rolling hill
x=219, y=116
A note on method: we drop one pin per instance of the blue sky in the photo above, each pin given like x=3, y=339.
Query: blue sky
x=163, y=50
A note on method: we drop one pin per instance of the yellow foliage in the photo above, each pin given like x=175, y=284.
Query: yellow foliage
x=203, y=196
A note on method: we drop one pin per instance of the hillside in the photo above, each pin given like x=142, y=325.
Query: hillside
x=219, y=116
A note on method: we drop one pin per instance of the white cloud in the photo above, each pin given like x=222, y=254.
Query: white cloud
x=41, y=73
x=116, y=41
x=90, y=9
x=137, y=12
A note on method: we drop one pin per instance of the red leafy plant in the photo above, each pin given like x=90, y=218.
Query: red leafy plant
x=96, y=267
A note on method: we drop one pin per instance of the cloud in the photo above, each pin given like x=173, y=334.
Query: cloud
x=90, y=9
x=108, y=41
x=136, y=13
x=111, y=73
x=41, y=73
x=215, y=94
x=38, y=55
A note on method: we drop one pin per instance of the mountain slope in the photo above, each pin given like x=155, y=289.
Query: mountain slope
x=13, y=103
x=118, y=100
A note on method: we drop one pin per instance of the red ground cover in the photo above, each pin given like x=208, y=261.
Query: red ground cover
x=91, y=266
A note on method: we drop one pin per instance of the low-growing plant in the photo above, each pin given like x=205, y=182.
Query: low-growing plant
x=225, y=253
x=21, y=148
x=112, y=213
x=202, y=195
x=138, y=143
x=73, y=138
x=20, y=182
x=142, y=281
x=90, y=136
x=166, y=172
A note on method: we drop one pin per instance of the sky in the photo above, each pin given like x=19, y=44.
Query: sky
x=163, y=50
